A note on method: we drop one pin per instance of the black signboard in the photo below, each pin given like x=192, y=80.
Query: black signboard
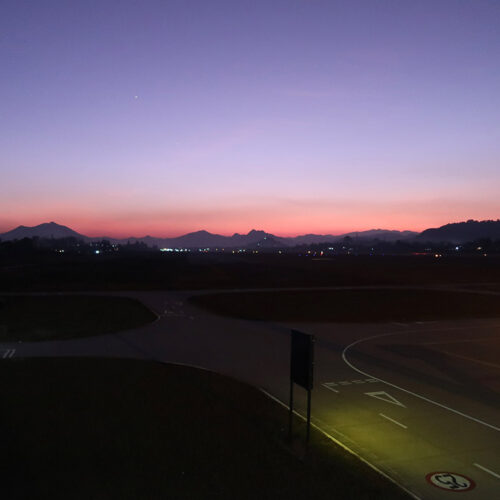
x=301, y=361
x=301, y=372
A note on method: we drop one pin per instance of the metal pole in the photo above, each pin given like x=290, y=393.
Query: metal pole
x=308, y=415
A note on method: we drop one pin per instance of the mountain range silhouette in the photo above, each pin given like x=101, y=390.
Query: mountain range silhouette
x=453, y=232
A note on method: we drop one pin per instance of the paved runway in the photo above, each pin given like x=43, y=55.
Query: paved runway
x=419, y=401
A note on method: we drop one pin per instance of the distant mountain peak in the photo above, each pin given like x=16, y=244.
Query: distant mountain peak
x=459, y=232
x=199, y=232
x=44, y=230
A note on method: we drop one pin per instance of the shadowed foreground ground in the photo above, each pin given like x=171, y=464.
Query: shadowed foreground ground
x=120, y=429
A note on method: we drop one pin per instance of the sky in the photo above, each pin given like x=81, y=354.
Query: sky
x=163, y=117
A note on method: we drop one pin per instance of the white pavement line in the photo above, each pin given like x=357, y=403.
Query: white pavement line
x=344, y=447
x=12, y=352
x=393, y=421
x=385, y=396
x=423, y=398
x=494, y=474
x=330, y=388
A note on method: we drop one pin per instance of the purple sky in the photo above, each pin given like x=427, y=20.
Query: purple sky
x=163, y=117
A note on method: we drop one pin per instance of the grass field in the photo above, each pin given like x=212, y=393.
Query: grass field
x=371, y=305
x=159, y=271
x=122, y=429
x=56, y=317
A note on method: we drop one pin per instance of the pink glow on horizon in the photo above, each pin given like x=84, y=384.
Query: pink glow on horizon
x=282, y=220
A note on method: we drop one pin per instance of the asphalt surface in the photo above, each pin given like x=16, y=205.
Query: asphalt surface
x=419, y=401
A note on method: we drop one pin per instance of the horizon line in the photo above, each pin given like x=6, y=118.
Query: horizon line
x=295, y=235
x=328, y=233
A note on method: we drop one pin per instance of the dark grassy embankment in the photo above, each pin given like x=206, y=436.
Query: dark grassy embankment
x=117, y=429
x=161, y=271
x=372, y=305
x=58, y=317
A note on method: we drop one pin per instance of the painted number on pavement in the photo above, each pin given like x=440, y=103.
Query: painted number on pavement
x=450, y=481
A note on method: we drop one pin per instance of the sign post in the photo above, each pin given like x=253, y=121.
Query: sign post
x=301, y=372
